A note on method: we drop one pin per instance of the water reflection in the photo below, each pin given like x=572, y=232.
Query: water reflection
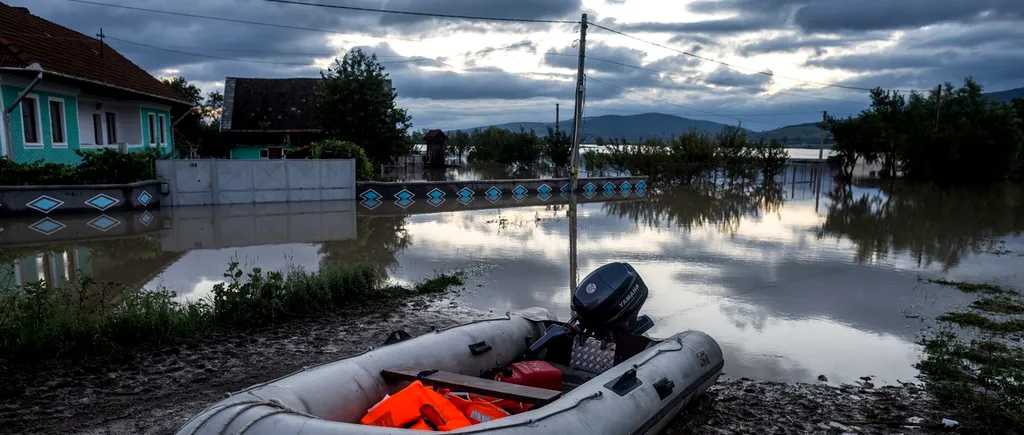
x=793, y=280
x=931, y=224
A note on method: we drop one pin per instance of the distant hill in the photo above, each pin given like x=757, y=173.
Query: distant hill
x=635, y=127
x=1006, y=96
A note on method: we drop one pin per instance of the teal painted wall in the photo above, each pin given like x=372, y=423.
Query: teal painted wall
x=48, y=152
x=156, y=127
x=246, y=153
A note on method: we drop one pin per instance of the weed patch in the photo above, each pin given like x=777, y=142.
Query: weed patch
x=966, y=287
x=441, y=283
x=998, y=305
x=984, y=323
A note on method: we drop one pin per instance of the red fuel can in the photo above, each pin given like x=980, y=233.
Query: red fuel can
x=539, y=374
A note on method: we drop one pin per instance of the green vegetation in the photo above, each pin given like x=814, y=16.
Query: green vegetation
x=693, y=157
x=336, y=149
x=998, y=305
x=967, y=287
x=980, y=382
x=356, y=103
x=519, y=150
x=40, y=322
x=106, y=166
x=200, y=126
x=441, y=283
x=971, y=137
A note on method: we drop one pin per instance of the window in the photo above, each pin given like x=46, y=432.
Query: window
x=30, y=120
x=264, y=153
x=163, y=129
x=97, y=129
x=111, y=128
x=152, y=129
x=57, y=129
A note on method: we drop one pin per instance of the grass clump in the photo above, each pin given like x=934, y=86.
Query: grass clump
x=984, y=323
x=967, y=287
x=440, y=283
x=998, y=305
x=39, y=322
x=979, y=382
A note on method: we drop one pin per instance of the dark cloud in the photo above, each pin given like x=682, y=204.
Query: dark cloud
x=719, y=26
x=991, y=35
x=833, y=15
x=600, y=56
x=726, y=76
x=796, y=42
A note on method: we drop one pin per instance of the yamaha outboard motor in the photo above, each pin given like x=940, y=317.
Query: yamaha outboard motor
x=606, y=304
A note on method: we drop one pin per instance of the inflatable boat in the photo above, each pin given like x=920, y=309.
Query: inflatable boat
x=615, y=380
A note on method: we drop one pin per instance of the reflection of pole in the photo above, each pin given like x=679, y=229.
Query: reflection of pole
x=572, y=244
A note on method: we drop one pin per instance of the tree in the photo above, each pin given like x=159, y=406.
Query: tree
x=336, y=149
x=459, y=143
x=200, y=126
x=558, y=148
x=356, y=103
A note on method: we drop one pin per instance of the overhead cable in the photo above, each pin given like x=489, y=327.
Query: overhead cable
x=422, y=14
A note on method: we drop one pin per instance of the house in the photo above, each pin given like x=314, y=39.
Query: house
x=269, y=118
x=436, y=141
x=62, y=91
x=266, y=118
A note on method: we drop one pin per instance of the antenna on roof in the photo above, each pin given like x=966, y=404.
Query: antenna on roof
x=101, y=36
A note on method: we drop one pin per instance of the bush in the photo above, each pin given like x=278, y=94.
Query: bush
x=39, y=322
x=106, y=166
x=336, y=149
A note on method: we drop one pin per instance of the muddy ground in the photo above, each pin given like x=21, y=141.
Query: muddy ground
x=156, y=392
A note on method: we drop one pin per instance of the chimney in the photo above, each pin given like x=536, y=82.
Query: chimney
x=22, y=9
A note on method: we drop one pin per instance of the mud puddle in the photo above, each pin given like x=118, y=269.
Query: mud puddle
x=155, y=393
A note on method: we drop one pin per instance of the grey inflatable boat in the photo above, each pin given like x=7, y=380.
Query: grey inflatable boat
x=616, y=381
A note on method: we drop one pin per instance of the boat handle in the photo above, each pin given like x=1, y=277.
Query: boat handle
x=480, y=348
x=664, y=388
x=625, y=383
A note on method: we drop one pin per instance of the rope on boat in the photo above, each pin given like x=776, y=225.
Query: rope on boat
x=257, y=419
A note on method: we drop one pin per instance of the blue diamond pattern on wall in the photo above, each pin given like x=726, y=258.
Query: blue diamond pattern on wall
x=146, y=218
x=47, y=226
x=641, y=192
x=404, y=195
x=435, y=201
x=493, y=191
x=465, y=200
x=565, y=188
x=520, y=190
x=370, y=195
x=518, y=197
x=642, y=185
x=45, y=204
x=404, y=202
x=466, y=193
x=436, y=194
x=370, y=203
x=145, y=198
x=609, y=186
x=104, y=223
x=544, y=189
x=609, y=193
x=589, y=194
x=102, y=202
x=625, y=186
x=544, y=196
x=590, y=187
x=625, y=192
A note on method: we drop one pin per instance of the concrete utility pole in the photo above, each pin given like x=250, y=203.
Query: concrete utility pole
x=577, y=121
x=821, y=148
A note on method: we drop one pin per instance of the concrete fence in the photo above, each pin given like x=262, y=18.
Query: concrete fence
x=215, y=182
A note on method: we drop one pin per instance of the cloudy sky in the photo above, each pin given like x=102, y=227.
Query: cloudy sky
x=454, y=73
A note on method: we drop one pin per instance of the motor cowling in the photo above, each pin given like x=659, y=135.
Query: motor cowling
x=610, y=298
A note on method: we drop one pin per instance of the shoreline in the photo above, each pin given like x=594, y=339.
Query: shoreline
x=154, y=393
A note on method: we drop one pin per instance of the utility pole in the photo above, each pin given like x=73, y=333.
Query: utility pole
x=101, y=36
x=821, y=148
x=556, y=118
x=577, y=121
x=938, y=105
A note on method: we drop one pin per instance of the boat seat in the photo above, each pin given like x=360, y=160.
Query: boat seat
x=469, y=384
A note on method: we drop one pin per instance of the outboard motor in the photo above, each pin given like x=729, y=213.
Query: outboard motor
x=606, y=304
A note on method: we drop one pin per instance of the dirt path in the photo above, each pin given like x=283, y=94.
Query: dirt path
x=155, y=393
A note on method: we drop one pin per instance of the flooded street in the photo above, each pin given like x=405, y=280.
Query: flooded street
x=794, y=283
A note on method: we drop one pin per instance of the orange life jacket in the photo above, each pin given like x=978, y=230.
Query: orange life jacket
x=476, y=408
x=416, y=407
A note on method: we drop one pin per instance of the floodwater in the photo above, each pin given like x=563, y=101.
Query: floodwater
x=794, y=281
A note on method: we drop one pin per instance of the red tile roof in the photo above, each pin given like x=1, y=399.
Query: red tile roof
x=26, y=39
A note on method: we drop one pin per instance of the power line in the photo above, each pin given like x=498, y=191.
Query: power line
x=742, y=114
x=233, y=20
x=832, y=85
x=599, y=59
x=422, y=14
x=684, y=107
x=171, y=50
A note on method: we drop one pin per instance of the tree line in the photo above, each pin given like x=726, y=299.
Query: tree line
x=952, y=134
